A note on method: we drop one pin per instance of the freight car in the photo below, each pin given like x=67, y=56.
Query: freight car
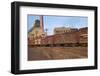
x=68, y=39
x=65, y=39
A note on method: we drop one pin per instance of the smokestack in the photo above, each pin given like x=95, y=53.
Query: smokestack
x=41, y=23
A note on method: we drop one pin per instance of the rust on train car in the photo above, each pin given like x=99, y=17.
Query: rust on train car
x=74, y=38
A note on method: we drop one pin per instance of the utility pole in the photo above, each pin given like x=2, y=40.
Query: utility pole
x=46, y=30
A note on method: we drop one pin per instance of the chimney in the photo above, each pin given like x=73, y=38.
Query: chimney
x=41, y=23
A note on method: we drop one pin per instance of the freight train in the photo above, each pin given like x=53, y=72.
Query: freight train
x=68, y=39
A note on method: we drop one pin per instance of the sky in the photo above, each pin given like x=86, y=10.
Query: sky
x=50, y=22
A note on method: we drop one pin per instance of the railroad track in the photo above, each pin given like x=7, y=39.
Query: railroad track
x=61, y=45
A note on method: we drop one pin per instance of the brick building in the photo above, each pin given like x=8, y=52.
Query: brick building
x=60, y=30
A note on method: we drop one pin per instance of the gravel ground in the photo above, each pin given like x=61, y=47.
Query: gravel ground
x=48, y=53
